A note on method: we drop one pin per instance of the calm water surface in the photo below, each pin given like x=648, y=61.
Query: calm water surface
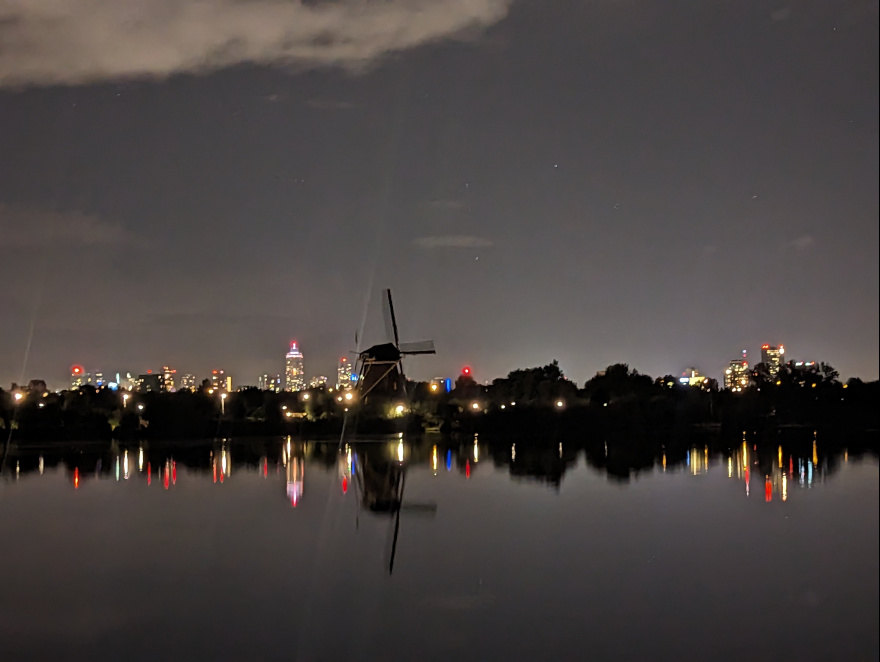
x=257, y=552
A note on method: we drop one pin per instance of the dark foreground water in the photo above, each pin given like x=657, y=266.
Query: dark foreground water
x=266, y=551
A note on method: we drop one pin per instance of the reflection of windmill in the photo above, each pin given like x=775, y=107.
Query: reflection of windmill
x=381, y=482
x=380, y=367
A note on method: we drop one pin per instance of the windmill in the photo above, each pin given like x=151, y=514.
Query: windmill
x=380, y=367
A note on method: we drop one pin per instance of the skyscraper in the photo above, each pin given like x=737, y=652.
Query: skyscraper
x=77, y=376
x=220, y=381
x=343, y=374
x=168, y=378
x=772, y=357
x=736, y=377
x=188, y=381
x=270, y=383
x=294, y=369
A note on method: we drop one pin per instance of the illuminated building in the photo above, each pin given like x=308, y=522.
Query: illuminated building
x=318, y=382
x=188, y=381
x=691, y=377
x=220, y=381
x=294, y=369
x=98, y=379
x=77, y=376
x=772, y=357
x=270, y=383
x=736, y=377
x=343, y=374
x=150, y=382
x=168, y=378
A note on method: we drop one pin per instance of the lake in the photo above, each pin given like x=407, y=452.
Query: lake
x=282, y=550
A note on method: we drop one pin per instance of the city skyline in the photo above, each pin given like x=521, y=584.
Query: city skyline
x=590, y=182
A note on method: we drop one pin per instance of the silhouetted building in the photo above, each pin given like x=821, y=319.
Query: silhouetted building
x=773, y=357
x=151, y=382
x=294, y=369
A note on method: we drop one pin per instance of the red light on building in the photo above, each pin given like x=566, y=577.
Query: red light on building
x=765, y=346
x=466, y=370
x=76, y=370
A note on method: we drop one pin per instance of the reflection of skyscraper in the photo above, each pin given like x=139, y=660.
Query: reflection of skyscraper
x=736, y=377
x=294, y=369
x=343, y=374
x=772, y=357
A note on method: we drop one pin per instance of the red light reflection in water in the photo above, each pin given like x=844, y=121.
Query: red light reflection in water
x=467, y=468
x=215, y=472
x=174, y=473
x=344, y=484
x=221, y=476
x=265, y=468
x=790, y=465
x=149, y=473
x=768, y=490
x=165, y=476
x=76, y=478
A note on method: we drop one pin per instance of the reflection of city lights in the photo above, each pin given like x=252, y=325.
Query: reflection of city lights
x=780, y=457
x=449, y=460
x=730, y=467
x=784, y=488
x=664, y=461
x=41, y=465
x=560, y=450
x=434, y=457
x=76, y=478
x=400, y=451
x=476, y=452
x=125, y=465
x=815, y=455
x=768, y=490
x=467, y=468
x=513, y=452
x=140, y=459
x=117, y=467
x=150, y=474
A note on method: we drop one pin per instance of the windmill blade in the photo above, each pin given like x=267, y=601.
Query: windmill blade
x=390, y=319
x=419, y=347
x=397, y=524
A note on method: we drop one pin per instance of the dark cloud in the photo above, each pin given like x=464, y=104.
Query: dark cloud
x=80, y=41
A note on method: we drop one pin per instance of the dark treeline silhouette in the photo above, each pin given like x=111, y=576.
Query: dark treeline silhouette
x=538, y=405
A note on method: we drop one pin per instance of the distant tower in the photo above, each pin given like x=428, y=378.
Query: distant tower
x=77, y=376
x=773, y=357
x=294, y=369
x=343, y=374
x=168, y=378
x=220, y=381
x=736, y=377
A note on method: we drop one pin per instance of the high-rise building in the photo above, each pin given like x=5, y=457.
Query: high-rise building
x=343, y=374
x=270, y=383
x=294, y=369
x=691, y=377
x=188, y=381
x=152, y=381
x=773, y=357
x=77, y=376
x=220, y=381
x=736, y=377
x=168, y=378
x=318, y=382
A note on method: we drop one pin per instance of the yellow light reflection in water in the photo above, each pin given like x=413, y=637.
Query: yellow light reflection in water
x=815, y=456
x=476, y=452
x=140, y=459
x=434, y=459
x=780, y=457
x=400, y=451
x=784, y=487
x=125, y=465
x=664, y=461
x=730, y=467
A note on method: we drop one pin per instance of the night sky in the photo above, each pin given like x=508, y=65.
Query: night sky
x=661, y=184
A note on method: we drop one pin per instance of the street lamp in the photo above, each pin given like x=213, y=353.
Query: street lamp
x=223, y=403
x=18, y=396
x=125, y=397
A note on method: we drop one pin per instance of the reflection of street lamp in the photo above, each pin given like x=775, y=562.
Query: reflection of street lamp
x=223, y=404
x=125, y=397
